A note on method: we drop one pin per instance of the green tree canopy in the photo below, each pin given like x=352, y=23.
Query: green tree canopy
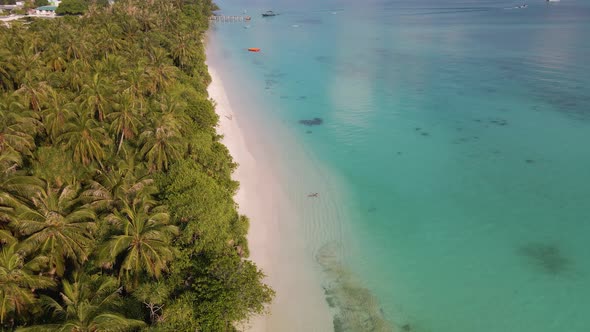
x=18, y=280
x=72, y=7
x=89, y=303
x=39, y=3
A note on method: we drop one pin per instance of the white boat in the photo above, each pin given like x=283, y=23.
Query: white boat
x=269, y=13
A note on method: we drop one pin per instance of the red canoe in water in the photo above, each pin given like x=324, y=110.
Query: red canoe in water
x=254, y=49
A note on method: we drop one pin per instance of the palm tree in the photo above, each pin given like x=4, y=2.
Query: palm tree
x=18, y=281
x=161, y=147
x=15, y=187
x=53, y=51
x=95, y=96
x=182, y=51
x=55, y=58
x=56, y=115
x=147, y=18
x=76, y=46
x=127, y=181
x=167, y=11
x=15, y=190
x=58, y=226
x=8, y=202
x=163, y=144
x=85, y=138
x=7, y=213
x=109, y=42
x=125, y=118
x=7, y=68
x=76, y=72
x=111, y=65
x=10, y=161
x=17, y=128
x=142, y=243
x=89, y=304
x=28, y=69
x=160, y=72
x=134, y=82
x=34, y=92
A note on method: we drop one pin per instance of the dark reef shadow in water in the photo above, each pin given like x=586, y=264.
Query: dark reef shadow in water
x=546, y=257
x=275, y=74
x=355, y=307
x=312, y=122
x=258, y=63
x=469, y=139
x=564, y=96
x=270, y=83
x=324, y=59
x=565, y=100
x=498, y=122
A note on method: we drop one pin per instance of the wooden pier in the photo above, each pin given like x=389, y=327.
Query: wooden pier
x=229, y=19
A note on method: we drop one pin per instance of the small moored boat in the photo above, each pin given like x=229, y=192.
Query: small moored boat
x=254, y=49
x=269, y=13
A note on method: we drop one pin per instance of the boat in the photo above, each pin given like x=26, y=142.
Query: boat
x=254, y=49
x=269, y=13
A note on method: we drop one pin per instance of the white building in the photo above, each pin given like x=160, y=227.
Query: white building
x=46, y=10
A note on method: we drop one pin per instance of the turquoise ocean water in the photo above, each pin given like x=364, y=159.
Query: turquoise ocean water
x=461, y=132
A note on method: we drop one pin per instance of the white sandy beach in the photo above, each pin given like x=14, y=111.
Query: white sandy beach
x=274, y=242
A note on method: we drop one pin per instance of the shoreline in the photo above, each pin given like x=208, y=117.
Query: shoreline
x=300, y=303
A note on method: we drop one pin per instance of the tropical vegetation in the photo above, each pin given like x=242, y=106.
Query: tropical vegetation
x=75, y=7
x=116, y=196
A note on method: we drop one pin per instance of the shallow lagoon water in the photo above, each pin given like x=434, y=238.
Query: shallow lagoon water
x=459, y=131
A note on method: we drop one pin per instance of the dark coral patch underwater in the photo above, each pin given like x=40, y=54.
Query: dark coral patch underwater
x=355, y=307
x=546, y=257
x=312, y=122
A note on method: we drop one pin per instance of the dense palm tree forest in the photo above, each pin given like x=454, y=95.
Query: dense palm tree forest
x=116, y=197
